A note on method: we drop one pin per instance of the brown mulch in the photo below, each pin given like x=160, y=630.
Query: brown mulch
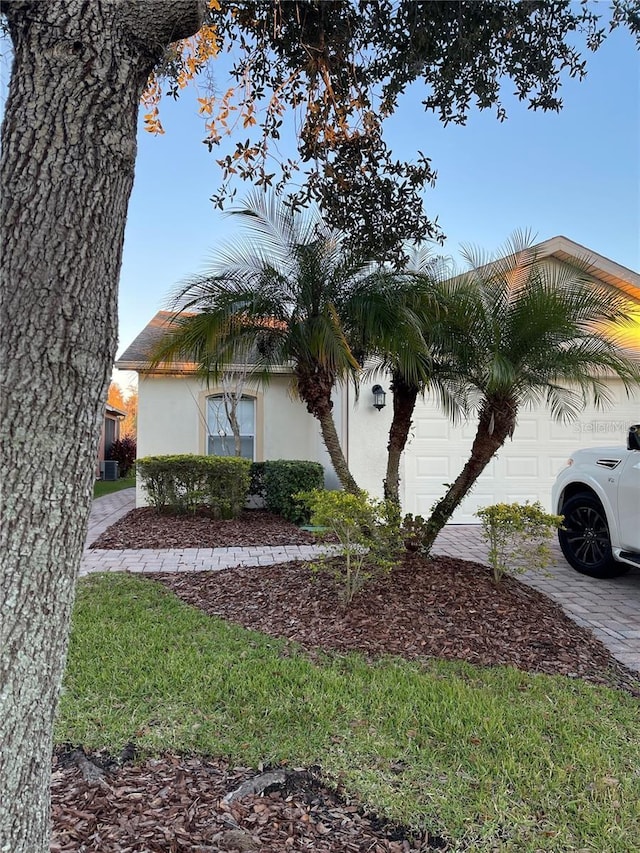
x=443, y=608
x=176, y=805
x=440, y=608
x=147, y=528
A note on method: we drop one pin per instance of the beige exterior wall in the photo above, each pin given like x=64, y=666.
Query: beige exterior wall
x=368, y=436
x=172, y=419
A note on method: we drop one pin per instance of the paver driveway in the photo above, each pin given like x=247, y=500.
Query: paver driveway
x=611, y=609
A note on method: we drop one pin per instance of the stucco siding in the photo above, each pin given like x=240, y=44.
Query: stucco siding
x=368, y=437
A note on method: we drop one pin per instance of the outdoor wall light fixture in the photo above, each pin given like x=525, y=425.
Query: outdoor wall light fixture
x=379, y=397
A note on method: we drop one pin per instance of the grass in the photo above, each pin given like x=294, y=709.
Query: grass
x=105, y=487
x=493, y=759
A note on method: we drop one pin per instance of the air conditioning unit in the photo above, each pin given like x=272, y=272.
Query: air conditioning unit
x=109, y=469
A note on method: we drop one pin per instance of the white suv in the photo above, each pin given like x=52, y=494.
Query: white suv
x=599, y=496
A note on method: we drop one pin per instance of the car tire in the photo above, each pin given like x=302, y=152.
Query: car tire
x=585, y=540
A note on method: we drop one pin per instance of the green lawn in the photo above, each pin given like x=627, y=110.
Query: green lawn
x=105, y=487
x=493, y=759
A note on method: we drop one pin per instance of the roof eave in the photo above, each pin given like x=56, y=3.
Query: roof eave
x=186, y=368
x=603, y=268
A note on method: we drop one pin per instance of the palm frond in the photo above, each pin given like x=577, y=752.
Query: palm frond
x=532, y=330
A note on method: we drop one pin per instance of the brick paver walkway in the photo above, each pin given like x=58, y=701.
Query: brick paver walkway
x=107, y=510
x=611, y=609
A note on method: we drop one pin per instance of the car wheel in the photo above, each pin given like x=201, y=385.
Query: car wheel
x=585, y=540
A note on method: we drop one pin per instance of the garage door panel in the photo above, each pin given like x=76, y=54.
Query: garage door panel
x=552, y=465
x=427, y=469
x=435, y=486
x=520, y=496
x=423, y=505
x=561, y=432
x=432, y=429
x=470, y=505
x=433, y=466
x=466, y=511
x=528, y=429
x=522, y=466
x=468, y=430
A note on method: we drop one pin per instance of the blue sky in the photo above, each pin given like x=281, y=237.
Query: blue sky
x=575, y=173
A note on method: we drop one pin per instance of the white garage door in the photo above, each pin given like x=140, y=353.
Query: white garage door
x=524, y=469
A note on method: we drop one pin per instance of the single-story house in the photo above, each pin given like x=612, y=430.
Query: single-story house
x=109, y=433
x=179, y=413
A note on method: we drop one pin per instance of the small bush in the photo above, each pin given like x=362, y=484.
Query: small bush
x=368, y=532
x=284, y=478
x=518, y=536
x=413, y=531
x=182, y=483
x=123, y=452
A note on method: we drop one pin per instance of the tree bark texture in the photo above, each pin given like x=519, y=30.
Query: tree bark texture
x=496, y=422
x=68, y=154
x=332, y=443
x=315, y=384
x=404, y=403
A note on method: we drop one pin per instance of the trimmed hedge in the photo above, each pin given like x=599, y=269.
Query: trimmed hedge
x=182, y=483
x=284, y=478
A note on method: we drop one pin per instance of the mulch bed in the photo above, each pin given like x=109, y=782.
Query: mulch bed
x=147, y=528
x=443, y=608
x=440, y=608
x=177, y=805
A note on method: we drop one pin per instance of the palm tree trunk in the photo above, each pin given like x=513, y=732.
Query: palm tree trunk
x=496, y=422
x=404, y=402
x=332, y=443
x=315, y=385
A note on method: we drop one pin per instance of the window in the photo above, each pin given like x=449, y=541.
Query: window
x=221, y=441
x=110, y=434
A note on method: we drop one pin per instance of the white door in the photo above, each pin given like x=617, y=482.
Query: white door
x=629, y=503
x=524, y=469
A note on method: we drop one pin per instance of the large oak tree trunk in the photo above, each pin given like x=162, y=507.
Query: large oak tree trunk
x=69, y=146
x=496, y=422
x=404, y=403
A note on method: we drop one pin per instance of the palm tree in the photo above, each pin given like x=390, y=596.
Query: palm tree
x=282, y=290
x=518, y=331
x=415, y=368
x=400, y=310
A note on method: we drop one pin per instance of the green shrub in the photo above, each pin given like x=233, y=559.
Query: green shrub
x=367, y=531
x=182, y=483
x=123, y=452
x=413, y=531
x=518, y=536
x=284, y=478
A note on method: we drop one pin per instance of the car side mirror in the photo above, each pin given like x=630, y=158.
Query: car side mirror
x=633, y=439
